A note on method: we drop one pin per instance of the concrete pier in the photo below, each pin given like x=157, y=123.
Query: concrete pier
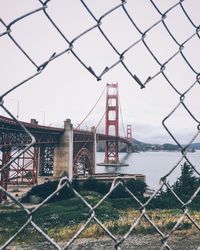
x=94, y=149
x=63, y=154
x=110, y=177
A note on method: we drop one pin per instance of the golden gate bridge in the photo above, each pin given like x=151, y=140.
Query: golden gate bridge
x=59, y=151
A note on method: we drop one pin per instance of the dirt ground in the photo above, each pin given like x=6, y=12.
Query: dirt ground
x=140, y=242
x=135, y=242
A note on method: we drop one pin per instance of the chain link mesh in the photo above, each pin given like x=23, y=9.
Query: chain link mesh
x=7, y=31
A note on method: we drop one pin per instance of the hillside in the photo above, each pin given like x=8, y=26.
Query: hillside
x=142, y=146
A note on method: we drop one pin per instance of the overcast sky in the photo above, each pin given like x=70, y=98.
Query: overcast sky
x=65, y=89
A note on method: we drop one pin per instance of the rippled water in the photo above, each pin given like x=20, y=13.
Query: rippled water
x=153, y=165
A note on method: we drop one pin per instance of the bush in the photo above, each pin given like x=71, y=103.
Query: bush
x=137, y=187
x=76, y=185
x=46, y=189
x=119, y=192
x=92, y=184
x=164, y=200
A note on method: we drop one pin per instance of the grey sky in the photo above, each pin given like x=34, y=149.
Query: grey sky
x=65, y=89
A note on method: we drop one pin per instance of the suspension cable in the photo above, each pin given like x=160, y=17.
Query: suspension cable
x=103, y=114
x=91, y=109
x=100, y=120
x=120, y=108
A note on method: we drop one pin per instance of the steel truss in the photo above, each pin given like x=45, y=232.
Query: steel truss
x=83, y=153
x=83, y=163
x=46, y=160
x=24, y=169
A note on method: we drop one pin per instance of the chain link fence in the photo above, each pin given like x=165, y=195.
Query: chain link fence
x=181, y=52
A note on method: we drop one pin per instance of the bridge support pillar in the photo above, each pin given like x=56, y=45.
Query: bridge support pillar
x=4, y=174
x=63, y=153
x=94, y=150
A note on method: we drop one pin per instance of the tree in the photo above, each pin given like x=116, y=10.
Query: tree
x=184, y=187
x=187, y=183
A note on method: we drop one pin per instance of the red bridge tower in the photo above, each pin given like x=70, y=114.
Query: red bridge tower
x=112, y=124
x=129, y=132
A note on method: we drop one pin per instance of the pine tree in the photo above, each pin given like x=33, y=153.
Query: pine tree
x=187, y=183
x=184, y=187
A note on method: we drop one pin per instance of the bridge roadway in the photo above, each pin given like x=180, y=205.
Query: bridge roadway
x=13, y=135
x=57, y=151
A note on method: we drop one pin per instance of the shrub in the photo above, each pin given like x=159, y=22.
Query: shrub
x=92, y=184
x=46, y=189
x=76, y=184
x=137, y=187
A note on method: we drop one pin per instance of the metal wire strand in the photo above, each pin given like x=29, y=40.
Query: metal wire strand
x=161, y=70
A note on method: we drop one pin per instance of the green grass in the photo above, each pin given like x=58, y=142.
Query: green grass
x=62, y=219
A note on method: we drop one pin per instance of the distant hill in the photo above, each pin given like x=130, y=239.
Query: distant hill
x=142, y=146
x=195, y=146
x=136, y=145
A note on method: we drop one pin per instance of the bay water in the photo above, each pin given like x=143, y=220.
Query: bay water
x=153, y=165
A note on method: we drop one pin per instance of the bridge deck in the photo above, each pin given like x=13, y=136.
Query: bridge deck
x=46, y=134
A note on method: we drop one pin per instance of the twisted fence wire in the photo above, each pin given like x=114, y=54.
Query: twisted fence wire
x=121, y=56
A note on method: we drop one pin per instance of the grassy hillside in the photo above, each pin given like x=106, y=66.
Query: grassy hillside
x=61, y=220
